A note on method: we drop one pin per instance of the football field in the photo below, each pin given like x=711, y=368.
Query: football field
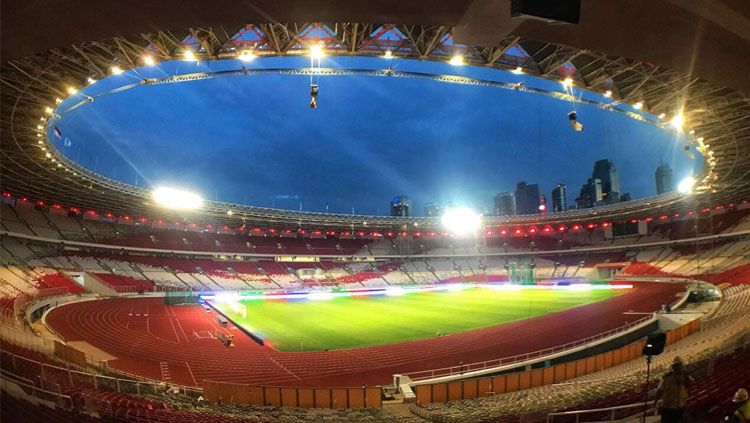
x=354, y=322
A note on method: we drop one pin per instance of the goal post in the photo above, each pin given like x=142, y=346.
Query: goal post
x=521, y=273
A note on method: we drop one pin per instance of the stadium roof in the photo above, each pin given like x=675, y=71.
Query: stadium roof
x=666, y=54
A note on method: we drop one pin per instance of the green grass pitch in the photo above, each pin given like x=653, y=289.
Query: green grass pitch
x=355, y=322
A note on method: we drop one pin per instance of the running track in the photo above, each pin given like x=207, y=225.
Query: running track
x=164, y=342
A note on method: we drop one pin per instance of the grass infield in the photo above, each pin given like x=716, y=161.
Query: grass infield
x=355, y=322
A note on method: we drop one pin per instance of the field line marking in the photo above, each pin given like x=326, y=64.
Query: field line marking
x=191, y=373
x=282, y=367
x=182, y=330
x=176, y=335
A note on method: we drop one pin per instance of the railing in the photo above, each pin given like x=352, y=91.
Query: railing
x=23, y=300
x=613, y=413
x=490, y=364
x=22, y=337
x=62, y=401
x=54, y=378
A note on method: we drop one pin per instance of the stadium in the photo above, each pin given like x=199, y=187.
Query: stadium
x=191, y=229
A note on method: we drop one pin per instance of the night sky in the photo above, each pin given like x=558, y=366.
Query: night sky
x=255, y=140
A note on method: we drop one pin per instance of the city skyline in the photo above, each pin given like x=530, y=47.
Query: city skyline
x=527, y=198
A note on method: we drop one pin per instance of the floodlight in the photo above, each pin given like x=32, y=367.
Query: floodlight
x=686, y=185
x=638, y=105
x=116, y=70
x=316, y=52
x=518, y=70
x=677, y=121
x=567, y=82
x=58, y=100
x=188, y=55
x=48, y=110
x=461, y=220
x=72, y=90
x=149, y=60
x=608, y=93
x=388, y=55
x=456, y=60
x=246, y=56
x=90, y=80
x=176, y=199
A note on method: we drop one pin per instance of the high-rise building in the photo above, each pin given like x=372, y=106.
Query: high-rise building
x=505, y=204
x=527, y=198
x=663, y=177
x=400, y=206
x=559, y=199
x=605, y=171
x=590, y=195
x=433, y=209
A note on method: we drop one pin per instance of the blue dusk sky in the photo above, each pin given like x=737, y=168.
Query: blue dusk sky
x=255, y=140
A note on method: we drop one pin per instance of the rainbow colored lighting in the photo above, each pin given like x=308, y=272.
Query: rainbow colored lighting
x=233, y=297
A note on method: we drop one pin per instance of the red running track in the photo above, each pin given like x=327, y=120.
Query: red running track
x=170, y=343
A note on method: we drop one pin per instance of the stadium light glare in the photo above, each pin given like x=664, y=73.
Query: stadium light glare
x=608, y=93
x=116, y=70
x=456, y=60
x=247, y=56
x=90, y=80
x=320, y=296
x=176, y=199
x=58, y=100
x=567, y=82
x=461, y=220
x=388, y=55
x=188, y=55
x=149, y=60
x=518, y=70
x=677, y=121
x=638, y=105
x=316, y=52
x=72, y=90
x=48, y=110
x=395, y=292
x=686, y=185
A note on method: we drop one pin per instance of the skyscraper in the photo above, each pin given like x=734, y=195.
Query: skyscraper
x=605, y=171
x=663, y=177
x=559, y=198
x=505, y=204
x=590, y=195
x=400, y=206
x=527, y=198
